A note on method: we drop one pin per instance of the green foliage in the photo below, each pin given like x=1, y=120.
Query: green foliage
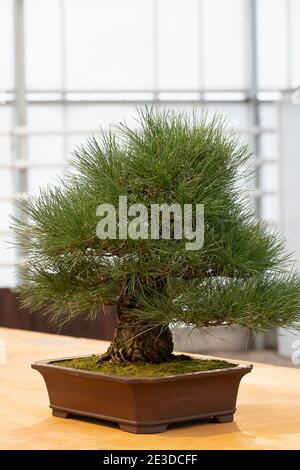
x=142, y=369
x=241, y=275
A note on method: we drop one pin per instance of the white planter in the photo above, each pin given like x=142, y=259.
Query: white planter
x=213, y=339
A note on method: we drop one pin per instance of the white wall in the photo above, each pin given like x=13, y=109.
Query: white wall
x=289, y=132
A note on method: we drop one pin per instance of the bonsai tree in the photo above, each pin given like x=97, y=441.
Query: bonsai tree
x=241, y=275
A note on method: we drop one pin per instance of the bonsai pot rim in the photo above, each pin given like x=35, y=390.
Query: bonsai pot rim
x=48, y=363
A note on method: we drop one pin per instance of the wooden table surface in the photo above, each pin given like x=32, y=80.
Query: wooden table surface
x=268, y=415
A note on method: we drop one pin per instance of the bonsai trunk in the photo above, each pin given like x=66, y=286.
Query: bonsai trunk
x=132, y=343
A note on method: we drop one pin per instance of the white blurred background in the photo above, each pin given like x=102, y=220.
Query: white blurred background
x=68, y=67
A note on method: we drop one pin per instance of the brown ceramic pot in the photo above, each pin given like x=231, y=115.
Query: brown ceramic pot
x=143, y=405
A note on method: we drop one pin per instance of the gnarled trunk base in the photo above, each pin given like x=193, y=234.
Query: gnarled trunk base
x=139, y=344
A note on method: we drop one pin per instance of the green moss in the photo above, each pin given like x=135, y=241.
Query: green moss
x=141, y=369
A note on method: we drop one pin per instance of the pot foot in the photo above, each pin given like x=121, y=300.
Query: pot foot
x=224, y=418
x=143, y=429
x=61, y=413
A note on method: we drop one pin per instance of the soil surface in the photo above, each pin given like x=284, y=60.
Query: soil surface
x=142, y=369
